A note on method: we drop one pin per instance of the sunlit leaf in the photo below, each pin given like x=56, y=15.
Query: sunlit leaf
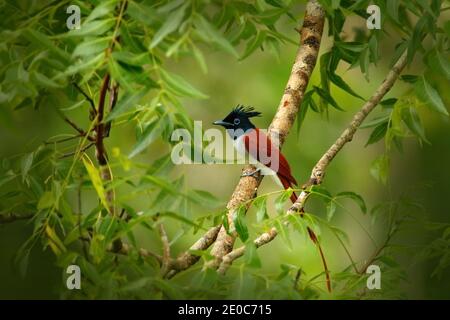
x=239, y=223
x=172, y=22
x=97, y=182
x=181, y=86
x=210, y=33
x=355, y=197
x=430, y=96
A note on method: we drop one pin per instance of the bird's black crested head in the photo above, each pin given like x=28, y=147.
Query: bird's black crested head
x=246, y=112
x=239, y=118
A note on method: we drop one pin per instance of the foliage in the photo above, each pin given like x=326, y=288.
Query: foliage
x=135, y=42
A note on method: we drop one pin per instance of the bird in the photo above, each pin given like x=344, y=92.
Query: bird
x=250, y=141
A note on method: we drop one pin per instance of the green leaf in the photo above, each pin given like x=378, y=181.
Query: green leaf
x=211, y=34
x=327, y=97
x=25, y=165
x=364, y=61
x=337, y=80
x=46, y=200
x=198, y=55
x=151, y=133
x=331, y=209
x=104, y=8
x=380, y=168
x=388, y=261
x=54, y=242
x=281, y=200
x=254, y=44
x=170, y=6
x=43, y=41
x=168, y=289
x=412, y=120
x=83, y=65
x=303, y=109
x=239, y=223
x=389, y=103
x=185, y=220
x=181, y=86
x=351, y=46
x=355, y=197
x=162, y=184
x=96, y=180
x=118, y=73
x=7, y=177
x=251, y=255
x=416, y=38
x=375, y=122
x=438, y=63
x=44, y=80
x=392, y=9
x=136, y=284
x=87, y=48
x=260, y=205
x=282, y=230
x=123, y=105
x=429, y=95
x=93, y=28
x=298, y=223
x=324, y=75
x=136, y=60
x=172, y=22
x=447, y=28
x=378, y=133
x=322, y=192
x=205, y=198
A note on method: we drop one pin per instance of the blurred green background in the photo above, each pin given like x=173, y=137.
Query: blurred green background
x=421, y=171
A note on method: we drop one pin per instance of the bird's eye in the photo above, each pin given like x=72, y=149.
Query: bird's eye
x=237, y=121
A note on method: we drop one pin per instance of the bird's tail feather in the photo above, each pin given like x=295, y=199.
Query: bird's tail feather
x=314, y=239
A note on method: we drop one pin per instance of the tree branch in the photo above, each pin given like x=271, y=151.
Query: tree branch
x=187, y=259
x=310, y=37
x=166, y=259
x=87, y=97
x=125, y=250
x=77, y=128
x=319, y=169
x=65, y=155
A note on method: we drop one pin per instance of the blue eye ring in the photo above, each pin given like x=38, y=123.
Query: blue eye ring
x=236, y=121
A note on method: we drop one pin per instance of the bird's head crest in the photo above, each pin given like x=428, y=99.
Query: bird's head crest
x=242, y=111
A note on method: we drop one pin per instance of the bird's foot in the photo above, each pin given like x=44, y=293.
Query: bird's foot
x=251, y=174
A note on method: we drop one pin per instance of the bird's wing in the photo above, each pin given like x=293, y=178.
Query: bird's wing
x=260, y=147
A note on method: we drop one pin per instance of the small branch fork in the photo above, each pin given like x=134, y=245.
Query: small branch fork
x=171, y=266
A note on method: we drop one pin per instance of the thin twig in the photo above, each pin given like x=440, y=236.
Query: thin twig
x=64, y=139
x=125, y=250
x=113, y=95
x=166, y=249
x=75, y=126
x=87, y=97
x=75, y=152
